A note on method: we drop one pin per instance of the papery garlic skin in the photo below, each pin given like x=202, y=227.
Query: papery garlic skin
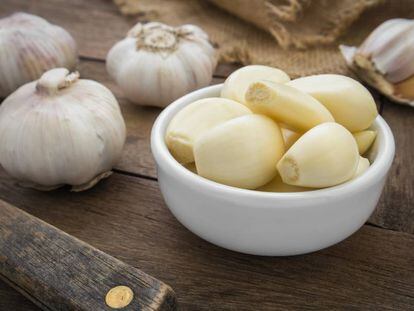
x=385, y=59
x=325, y=156
x=195, y=119
x=349, y=102
x=60, y=130
x=238, y=82
x=156, y=64
x=286, y=104
x=363, y=165
x=241, y=152
x=364, y=140
x=29, y=46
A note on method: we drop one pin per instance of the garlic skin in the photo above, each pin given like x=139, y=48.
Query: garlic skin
x=385, y=59
x=238, y=82
x=241, y=152
x=156, y=64
x=349, y=102
x=286, y=104
x=364, y=140
x=194, y=120
x=29, y=46
x=325, y=156
x=60, y=130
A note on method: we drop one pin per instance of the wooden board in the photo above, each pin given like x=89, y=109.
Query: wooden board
x=126, y=217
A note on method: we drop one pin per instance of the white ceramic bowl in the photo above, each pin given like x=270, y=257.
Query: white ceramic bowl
x=263, y=223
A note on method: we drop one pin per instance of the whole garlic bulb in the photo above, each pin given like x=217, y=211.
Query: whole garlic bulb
x=60, y=130
x=385, y=59
x=156, y=64
x=29, y=46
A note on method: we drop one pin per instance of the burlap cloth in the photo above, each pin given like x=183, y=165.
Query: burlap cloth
x=300, y=37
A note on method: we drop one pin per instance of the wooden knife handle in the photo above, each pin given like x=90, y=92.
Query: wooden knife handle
x=59, y=272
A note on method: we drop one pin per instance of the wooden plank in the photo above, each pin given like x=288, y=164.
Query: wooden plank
x=395, y=210
x=126, y=217
x=57, y=271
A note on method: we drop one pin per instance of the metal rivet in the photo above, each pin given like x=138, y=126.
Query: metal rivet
x=119, y=297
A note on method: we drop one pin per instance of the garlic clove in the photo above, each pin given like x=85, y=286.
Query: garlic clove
x=286, y=104
x=241, y=152
x=325, y=156
x=60, y=130
x=30, y=46
x=195, y=119
x=385, y=59
x=191, y=167
x=349, y=102
x=289, y=137
x=156, y=63
x=277, y=185
x=364, y=140
x=363, y=165
x=238, y=82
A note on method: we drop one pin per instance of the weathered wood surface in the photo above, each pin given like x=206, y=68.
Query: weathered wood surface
x=59, y=272
x=126, y=217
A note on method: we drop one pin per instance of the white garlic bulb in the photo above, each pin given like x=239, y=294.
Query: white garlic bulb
x=156, y=64
x=385, y=59
x=29, y=46
x=60, y=130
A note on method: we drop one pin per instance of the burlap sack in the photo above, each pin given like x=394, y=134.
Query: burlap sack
x=243, y=42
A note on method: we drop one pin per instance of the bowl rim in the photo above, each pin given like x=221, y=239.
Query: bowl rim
x=164, y=158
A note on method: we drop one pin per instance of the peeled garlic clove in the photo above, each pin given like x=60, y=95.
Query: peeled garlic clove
x=364, y=140
x=325, y=156
x=238, y=82
x=385, y=59
x=241, y=152
x=286, y=104
x=289, y=137
x=29, y=46
x=363, y=165
x=195, y=119
x=191, y=167
x=349, y=102
x=156, y=64
x=277, y=185
x=60, y=130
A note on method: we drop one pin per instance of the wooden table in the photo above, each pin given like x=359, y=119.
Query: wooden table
x=126, y=217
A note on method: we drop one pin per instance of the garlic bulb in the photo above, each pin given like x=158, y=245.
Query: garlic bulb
x=242, y=152
x=60, y=130
x=156, y=64
x=385, y=59
x=238, y=82
x=195, y=119
x=277, y=185
x=325, y=156
x=286, y=104
x=364, y=140
x=289, y=137
x=29, y=46
x=349, y=102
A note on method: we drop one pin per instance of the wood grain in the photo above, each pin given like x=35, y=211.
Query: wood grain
x=126, y=217
x=396, y=208
x=60, y=272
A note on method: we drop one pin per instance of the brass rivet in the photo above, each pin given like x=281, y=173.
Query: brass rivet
x=119, y=297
